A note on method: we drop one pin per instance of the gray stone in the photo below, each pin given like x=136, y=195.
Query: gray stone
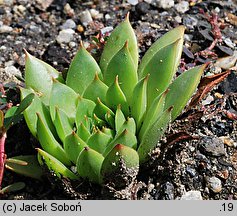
x=214, y=184
x=69, y=24
x=190, y=22
x=182, y=6
x=85, y=17
x=212, y=146
x=12, y=71
x=65, y=36
x=132, y=2
x=165, y=4
x=192, y=195
x=106, y=29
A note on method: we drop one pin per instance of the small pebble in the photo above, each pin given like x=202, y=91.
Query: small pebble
x=106, y=29
x=107, y=16
x=12, y=71
x=148, y=1
x=132, y=2
x=165, y=4
x=212, y=146
x=178, y=19
x=85, y=17
x=65, y=36
x=192, y=195
x=182, y=7
x=68, y=10
x=80, y=28
x=5, y=29
x=208, y=100
x=214, y=184
x=227, y=141
x=69, y=24
x=190, y=22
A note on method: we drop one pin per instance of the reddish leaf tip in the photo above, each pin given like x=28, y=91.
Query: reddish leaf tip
x=119, y=147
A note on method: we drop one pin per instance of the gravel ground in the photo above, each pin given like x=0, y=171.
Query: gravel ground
x=197, y=159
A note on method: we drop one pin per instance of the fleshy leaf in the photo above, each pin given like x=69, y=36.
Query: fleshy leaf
x=119, y=118
x=13, y=187
x=89, y=164
x=55, y=165
x=96, y=89
x=153, y=135
x=122, y=33
x=139, y=101
x=120, y=166
x=65, y=99
x=127, y=138
x=115, y=96
x=98, y=141
x=49, y=143
x=181, y=90
x=170, y=37
x=38, y=76
x=73, y=145
x=154, y=112
x=82, y=71
x=85, y=107
x=122, y=65
x=161, y=67
x=83, y=132
x=62, y=124
x=14, y=114
x=130, y=125
x=101, y=109
x=36, y=107
x=26, y=165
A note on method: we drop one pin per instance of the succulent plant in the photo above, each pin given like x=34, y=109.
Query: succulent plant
x=105, y=118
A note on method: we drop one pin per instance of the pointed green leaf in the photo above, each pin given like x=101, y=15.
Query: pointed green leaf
x=89, y=164
x=154, y=112
x=108, y=131
x=73, y=145
x=13, y=115
x=49, y=143
x=122, y=65
x=82, y=71
x=122, y=33
x=130, y=125
x=98, y=122
x=36, y=107
x=38, y=76
x=139, y=101
x=55, y=165
x=26, y=165
x=120, y=166
x=126, y=138
x=115, y=96
x=161, y=69
x=153, y=135
x=101, y=109
x=85, y=107
x=62, y=124
x=96, y=89
x=13, y=187
x=181, y=90
x=98, y=141
x=119, y=118
x=83, y=132
x=170, y=37
x=65, y=99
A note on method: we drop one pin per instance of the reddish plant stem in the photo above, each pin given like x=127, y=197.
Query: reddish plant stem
x=2, y=155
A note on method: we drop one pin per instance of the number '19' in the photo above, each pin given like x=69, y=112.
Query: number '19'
x=227, y=206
